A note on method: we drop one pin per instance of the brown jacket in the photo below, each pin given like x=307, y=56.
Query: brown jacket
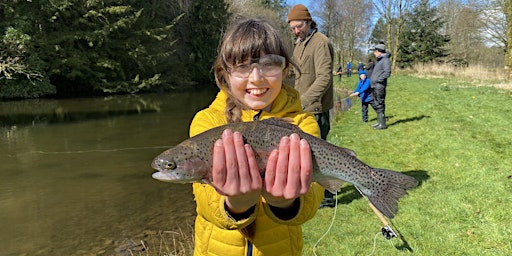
x=314, y=56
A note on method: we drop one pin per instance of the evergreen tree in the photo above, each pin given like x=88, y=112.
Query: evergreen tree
x=21, y=69
x=200, y=33
x=113, y=46
x=379, y=32
x=422, y=40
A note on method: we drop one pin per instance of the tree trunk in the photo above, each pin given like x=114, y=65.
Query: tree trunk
x=508, y=44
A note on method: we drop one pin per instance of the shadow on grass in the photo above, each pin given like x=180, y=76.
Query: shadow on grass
x=349, y=193
x=407, y=120
x=419, y=175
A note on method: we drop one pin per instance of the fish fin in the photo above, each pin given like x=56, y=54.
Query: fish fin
x=282, y=122
x=332, y=186
x=391, y=188
x=350, y=152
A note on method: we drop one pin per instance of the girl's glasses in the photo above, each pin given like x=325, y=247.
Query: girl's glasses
x=268, y=65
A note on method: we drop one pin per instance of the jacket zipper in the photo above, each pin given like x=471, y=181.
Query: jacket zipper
x=257, y=116
x=249, y=248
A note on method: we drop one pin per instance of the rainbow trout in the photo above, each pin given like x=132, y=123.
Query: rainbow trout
x=190, y=161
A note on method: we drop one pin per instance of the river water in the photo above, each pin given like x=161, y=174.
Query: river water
x=75, y=175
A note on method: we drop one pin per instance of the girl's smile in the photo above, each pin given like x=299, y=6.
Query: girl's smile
x=256, y=91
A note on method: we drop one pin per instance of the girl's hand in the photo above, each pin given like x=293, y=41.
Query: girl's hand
x=289, y=172
x=235, y=172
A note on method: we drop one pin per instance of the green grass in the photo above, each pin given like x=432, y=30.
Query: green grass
x=456, y=139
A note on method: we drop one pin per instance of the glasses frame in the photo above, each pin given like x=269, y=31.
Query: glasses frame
x=259, y=63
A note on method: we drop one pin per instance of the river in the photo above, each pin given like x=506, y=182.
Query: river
x=75, y=175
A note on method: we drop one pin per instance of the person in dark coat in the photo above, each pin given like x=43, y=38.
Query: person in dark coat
x=378, y=83
x=369, y=68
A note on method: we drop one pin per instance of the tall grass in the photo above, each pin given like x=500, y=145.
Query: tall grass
x=474, y=74
x=454, y=137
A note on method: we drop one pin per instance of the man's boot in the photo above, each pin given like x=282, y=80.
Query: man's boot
x=381, y=120
x=378, y=121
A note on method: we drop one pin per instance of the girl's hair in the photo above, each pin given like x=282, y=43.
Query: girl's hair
x=245, y=39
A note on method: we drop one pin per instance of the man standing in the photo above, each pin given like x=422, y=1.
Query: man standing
x=313, y=53
x=378, y=83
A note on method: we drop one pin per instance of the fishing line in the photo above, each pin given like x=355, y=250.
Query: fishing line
x=86, y=151
x=374, y=244
x=386, y=231
x=330, y=226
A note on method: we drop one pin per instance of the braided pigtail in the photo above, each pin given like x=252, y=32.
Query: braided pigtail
x=233, y=110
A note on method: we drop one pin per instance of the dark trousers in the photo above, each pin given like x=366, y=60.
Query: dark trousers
x=379, y=98
x=364, y=110
x=325, y=125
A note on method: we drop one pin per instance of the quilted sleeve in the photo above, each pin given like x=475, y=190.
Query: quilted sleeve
x=210, y=205
x=309, y=204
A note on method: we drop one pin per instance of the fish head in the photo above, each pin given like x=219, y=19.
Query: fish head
x=180, y=165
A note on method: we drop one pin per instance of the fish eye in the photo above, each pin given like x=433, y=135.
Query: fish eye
x=171, y=165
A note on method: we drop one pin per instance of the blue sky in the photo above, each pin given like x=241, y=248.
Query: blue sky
x=294, y=2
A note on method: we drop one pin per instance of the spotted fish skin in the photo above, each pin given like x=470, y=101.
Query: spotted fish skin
x=191, y=160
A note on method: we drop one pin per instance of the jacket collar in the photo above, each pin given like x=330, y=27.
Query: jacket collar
x=308, y=37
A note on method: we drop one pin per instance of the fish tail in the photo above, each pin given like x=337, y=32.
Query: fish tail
x=388, y=188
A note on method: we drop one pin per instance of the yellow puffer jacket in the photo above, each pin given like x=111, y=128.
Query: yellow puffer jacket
x=216, y=232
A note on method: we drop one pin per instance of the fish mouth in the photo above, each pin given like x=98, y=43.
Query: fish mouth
x=164, y=176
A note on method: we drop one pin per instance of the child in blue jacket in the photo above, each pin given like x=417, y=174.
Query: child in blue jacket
x=363, y=91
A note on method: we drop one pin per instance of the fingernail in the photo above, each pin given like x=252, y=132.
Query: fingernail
x=227, y=132
x=294, y=136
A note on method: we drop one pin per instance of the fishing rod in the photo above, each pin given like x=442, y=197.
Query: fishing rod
x=387, y=230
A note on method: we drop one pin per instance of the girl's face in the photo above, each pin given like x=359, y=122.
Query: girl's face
x=257, y=82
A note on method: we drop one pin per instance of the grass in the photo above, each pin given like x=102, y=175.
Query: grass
x=161, y=243
x=455, y=138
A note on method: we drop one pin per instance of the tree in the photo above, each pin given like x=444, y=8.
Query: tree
x=422, y=40
x=393, y=12
x=494, y=23
x=275, y=11
x=379, y=32
x=347, y=24
x=508, y=56
x=464, y=32
x=114, y=46
x=21, y=68
x=198, y=36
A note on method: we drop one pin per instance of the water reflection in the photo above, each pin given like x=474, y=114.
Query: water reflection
x=75, y=176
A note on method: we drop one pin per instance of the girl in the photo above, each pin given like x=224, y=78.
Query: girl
x=243, y=213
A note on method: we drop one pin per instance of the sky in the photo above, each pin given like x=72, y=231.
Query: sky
x=294, y=2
